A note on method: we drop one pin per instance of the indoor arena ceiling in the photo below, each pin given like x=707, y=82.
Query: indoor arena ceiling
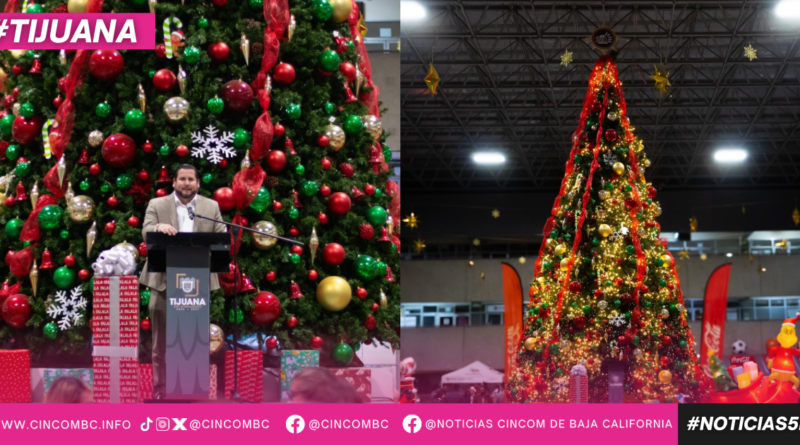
x=503, y=87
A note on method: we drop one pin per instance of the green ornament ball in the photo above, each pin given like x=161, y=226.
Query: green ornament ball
x=366, y=267
x=381, y=269
x=376, y=215
x=64, y=234
x=256, y=4
x=215, y=105
x=202, y=23
x=84, y=185
x=135, y=120
x=293, y=111
x=310, y=188
x=63, y=277
x=164, y=150
x=261, y=201
x=235, y=317
x=35, y=8
x=144, y=295
x=353, y=125
x=191, y=54
x=102, y=109
x=387, y=154
x=207, y=178
x=342, y=354
x=139, y=2
x=105, y=188
x=13, y=151
x=553, y=349
x=294, y=258
x=5, y=124
x=322, y=10
x=51, y=330
x=300, y=169
x=30, y=53
x=330, y=107
x=377, y=194
x=240, y=137
x=329, y=61
x=151, y=73
x=27, y=243
x=23, y=169
x=14, y=228
x=125, y=181
x=293, y=214
x=27, y=111
x=50, y=216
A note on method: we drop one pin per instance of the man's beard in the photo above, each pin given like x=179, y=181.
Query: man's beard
x=186, y=194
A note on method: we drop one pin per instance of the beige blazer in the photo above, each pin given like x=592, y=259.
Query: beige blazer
x=164, y=211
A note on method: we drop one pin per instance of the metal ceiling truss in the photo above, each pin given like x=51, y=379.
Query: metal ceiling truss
x=503, y=87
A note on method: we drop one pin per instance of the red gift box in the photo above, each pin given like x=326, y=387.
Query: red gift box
x=15, y=376
x=146, y=382
x=358, y=378
x=115, y=313
x=250, y=375
x=578, y=385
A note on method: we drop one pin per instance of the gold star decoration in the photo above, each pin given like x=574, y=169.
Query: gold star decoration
x=566, y=58
x=361, y=26
x=693, y=224
x=398, y=45
x=432, y=79
x=684, y=254
x=662, y=79
x=411, y=221
x=419, y=246
x=796, y=216
x=476, y=242
x=495, y=213
x=522, y=260
x=750, y=52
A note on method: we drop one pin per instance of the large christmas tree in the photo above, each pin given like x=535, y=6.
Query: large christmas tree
x=272, y=101
x=605, y=287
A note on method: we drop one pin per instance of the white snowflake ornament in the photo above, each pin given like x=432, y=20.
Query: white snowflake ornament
x=67, y=310
x=212, y=147
x=617, y=320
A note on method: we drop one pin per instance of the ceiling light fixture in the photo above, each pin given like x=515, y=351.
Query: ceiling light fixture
x=412, y=12
x=488, y=158
x=788, y=9
x=729, y=155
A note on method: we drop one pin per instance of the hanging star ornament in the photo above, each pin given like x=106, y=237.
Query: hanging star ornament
x=411, y=221
x=662, y=79
x=566, y=58
x=432, y=79
x=476, y=242
x=522, y=260
x=750, y=52
x=495, y=213
x=419, y=246
x=796, y=216
x=684, y=254
x=361, y=26
x=693, y=224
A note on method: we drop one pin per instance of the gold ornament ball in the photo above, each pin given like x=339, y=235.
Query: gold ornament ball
x=603, y=194
x=176, y=108
x=658, y=211
x=81, y=208
x=3, y=80
x=619, y=168
x=76, y=6
x=334, y=293
x=373, y=126
x=541, y=280
x=530, y=343
x=335, y=136
x=565, y=264
x=130, y=248
x=341, y=10
x=612, y=116
x=216, y=339
x=262, y=241
x=560, y=249
x=667, y=260
x=96, y=138
x=665, y=376
x=19, y=53
x=647, y=163
x=550, y=243
x=2, y=207
x=605, y=230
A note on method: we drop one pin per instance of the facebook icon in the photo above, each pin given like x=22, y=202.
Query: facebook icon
x=295, y=424
x=412, y=424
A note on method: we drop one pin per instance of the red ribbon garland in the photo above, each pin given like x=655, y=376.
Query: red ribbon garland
x=19, y=263
x=30, y=231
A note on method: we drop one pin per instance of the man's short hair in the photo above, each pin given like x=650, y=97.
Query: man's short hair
x=187, y=167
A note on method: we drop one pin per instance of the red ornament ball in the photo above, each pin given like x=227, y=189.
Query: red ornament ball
x=333, y=254
x=106, y=64
x=182, y=150
x=58, y=101
x=630, y=203
x=147, y=147
x=164, y=80
x=277, y=206
x=652, y=192
x=10, y=201
x=346, y=169
x=16, y=70
x=326, y=163
x=575, y=287
x=272, y=343
x=296, y=249
x=223, y=163
x=291, y=322
x=374, y=307
x=348, y=70
x=25, y=131
x=371, y=322
x=267, y=309
x=146, y=324
x=219, y=3
x=111, y=227
x=225, y=199
x=276, y=161
x=664, y=361
x=237, y=96
x=62, y=84
x=278, y=130
x=8, y=101
x=271, y=276
x=15, y=92
x=142, y=249
x=119, y=150
x=598, y=293
x=313, y=275
x=361, y=293
x=369, y=189
x=294, y=231
x=144, y=176
x=339, y=203
x=325, y=191
x=283, y=74
x=611, y=135
x=94, y=169
x=219, y=52
x=161, y=193
x=323, y=141
x=366, y=231
x=69, y=261
x=161, y=51
x=322, y=218
x=16, y=311
x=84, y=274
x=113, y=201
x=316, y=342
x=133, y=221
x=596, y=107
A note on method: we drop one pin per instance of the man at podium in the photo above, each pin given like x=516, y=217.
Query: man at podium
x=170, y=215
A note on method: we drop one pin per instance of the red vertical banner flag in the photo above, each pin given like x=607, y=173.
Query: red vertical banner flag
x=715, y=311
x=512, y=290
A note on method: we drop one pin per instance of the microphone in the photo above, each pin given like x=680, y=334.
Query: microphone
x=191, y=213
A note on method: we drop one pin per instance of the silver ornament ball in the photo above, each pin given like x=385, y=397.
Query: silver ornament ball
x=176, y=108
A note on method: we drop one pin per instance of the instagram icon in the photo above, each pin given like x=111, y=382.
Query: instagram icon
x=162, y=424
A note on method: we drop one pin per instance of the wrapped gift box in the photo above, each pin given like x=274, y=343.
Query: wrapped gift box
x=51, y=374
x=115, y=310
x=358, y=378
x=578, y=385
x=250, y=378
x=15, y=376
x=291, y=362
x=146, y=382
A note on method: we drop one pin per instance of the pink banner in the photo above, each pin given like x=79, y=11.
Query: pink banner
x=314, y=424
x=78, y=31
x=715, y=313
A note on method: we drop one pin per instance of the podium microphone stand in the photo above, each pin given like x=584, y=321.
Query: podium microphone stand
x=236, y=229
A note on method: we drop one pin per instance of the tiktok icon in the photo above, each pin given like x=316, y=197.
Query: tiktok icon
x=147, y=426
